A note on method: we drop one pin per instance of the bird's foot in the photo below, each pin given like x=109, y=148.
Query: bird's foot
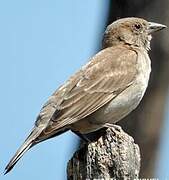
x=108, y=125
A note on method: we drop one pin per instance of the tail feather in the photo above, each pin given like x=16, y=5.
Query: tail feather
x=16, y=158
x=29, y=142
x=35, y=137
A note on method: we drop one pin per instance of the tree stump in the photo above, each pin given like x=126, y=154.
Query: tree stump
x=113, y=156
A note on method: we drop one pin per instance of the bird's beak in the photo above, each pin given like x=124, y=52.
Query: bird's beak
x=153, y=27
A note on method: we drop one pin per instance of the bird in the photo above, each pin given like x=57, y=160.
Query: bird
x=103, y=91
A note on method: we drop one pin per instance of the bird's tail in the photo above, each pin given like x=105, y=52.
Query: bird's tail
x=29, y=142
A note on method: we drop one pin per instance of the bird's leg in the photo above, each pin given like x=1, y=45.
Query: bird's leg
x=82, y=136
x=108, y=125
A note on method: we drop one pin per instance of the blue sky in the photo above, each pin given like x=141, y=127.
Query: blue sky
x=41, y=44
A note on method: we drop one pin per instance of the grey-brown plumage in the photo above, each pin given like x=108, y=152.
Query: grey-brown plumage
x=103, y=91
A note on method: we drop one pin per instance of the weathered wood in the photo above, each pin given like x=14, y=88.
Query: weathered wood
x=114, y=155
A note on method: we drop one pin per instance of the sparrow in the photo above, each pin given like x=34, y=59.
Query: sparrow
x=103, y=91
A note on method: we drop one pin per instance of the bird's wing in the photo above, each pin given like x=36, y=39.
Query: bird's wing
x=107, y=74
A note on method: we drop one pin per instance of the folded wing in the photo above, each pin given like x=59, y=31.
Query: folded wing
x=108, y=73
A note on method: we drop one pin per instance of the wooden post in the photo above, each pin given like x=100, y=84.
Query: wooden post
x=113, y=156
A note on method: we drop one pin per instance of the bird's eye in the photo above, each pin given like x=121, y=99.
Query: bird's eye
x=137, y=26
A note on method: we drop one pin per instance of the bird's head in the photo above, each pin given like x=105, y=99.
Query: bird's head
x=133, y=31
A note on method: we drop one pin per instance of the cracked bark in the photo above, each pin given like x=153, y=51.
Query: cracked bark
x=113, y=155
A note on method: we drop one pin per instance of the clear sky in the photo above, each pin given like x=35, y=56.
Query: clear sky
x=41, y=44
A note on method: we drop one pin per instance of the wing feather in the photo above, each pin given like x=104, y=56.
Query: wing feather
x=108, y=73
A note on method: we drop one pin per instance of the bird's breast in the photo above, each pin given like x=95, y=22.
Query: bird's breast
x=129, y=99
x=124, y=102
x=143, y=68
